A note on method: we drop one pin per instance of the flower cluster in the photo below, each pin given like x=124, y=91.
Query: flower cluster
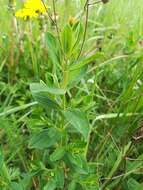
x=32, y=8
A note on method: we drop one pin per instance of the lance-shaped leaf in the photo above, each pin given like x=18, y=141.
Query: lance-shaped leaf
x=67, y=39
x=78, y=120
x=53, y=48
x=57, y=154
x=45, y=139
x=41, y=93
x=38, y=87
x=46, y=101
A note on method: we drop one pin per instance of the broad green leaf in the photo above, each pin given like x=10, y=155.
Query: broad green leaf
x=57, y=154
x=37, y=88
x=46, y=101
x=78, y=120
x=45, y=139
x=77, y=162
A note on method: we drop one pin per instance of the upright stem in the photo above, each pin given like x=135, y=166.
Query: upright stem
x=85, y=29
x=88, y=143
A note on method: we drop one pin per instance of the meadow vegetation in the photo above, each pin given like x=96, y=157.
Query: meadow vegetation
x=71, y=95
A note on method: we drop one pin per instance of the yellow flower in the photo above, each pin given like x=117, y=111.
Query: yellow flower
x=32, y=8
x=72, y=20
x=26, y=13
x=35, y=5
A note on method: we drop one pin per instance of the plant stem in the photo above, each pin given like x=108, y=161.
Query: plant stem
x=88, y=143
x=85, y=29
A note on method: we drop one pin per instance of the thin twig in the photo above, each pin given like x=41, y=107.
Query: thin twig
x=86, y=7
x=53, y=22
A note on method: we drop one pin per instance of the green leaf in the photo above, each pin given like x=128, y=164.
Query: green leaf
x=78, y=33
x=46, y=101
x=77, y=162
x=76, y=75
x=134, y=185
x=51, y=185
x=53, y=49
x=83, y=62
x=78, y=120
x=37, y=88
x=72, y=185
x=67, y=39
x=26, y=181
x=57, y=154
x=18, y=108
x=39, y=92
x=16, y=186
x=45, y=139
x=59, y=178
